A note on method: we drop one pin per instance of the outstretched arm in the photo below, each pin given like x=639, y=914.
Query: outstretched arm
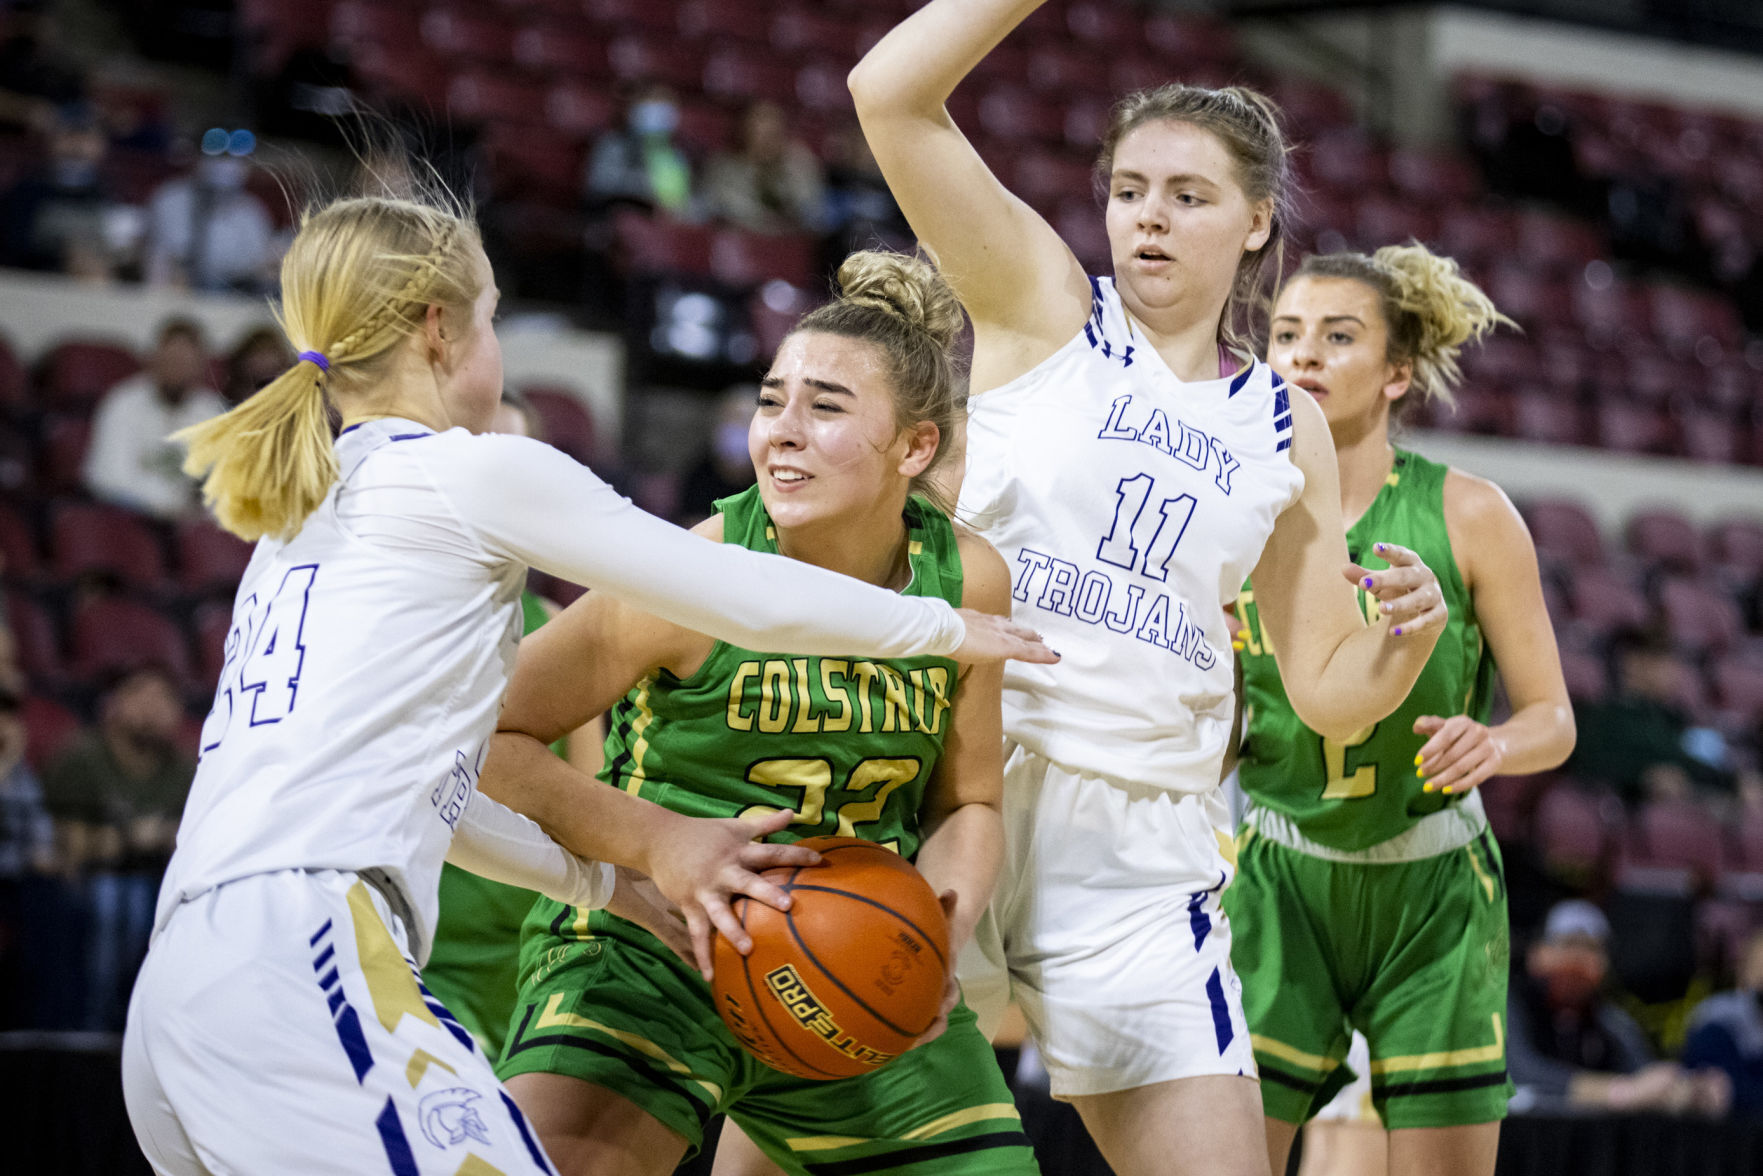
x=1340, y=674
x=1025, y=291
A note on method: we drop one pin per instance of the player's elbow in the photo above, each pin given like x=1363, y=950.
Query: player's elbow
x=1329, y=719
x=1565, y=737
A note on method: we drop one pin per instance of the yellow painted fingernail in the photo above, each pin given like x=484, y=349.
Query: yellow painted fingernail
x=1238, y=646
x=1421, y=772
x=1428, y=787
x=1446, y=790
x=1418, y=756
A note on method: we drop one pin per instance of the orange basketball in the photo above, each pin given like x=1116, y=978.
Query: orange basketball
x=849, y=976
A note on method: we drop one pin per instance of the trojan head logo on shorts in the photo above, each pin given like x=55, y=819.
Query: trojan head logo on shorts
x=448, y=1117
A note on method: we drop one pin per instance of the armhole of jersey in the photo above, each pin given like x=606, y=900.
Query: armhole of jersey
x=1462, y=585
x=466, y=526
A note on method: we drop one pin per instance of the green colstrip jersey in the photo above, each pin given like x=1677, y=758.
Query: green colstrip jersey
x=473, y=965
x=1364, y=791
x=847, y=743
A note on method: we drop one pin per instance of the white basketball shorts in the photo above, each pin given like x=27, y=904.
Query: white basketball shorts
x=279, y=1026
x=1107, y=930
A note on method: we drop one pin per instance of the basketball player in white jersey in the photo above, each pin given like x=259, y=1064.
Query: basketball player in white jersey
x=1134, y=472
x=279, y=1024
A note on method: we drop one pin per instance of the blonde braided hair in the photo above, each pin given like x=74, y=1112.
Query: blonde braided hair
x=356, y=282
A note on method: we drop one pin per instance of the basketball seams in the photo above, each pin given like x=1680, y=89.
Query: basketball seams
x=840, y=984
x=758, y=1006
x=929, y=940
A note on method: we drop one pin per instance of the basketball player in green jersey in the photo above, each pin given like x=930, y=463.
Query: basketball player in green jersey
x=472, y=965
x=615, y=1050
x=1369, y=891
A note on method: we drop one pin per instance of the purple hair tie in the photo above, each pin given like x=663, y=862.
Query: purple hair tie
x=324, y=365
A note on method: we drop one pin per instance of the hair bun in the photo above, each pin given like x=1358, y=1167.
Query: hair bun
x=906, y=286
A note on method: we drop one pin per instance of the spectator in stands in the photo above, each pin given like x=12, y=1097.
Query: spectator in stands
x=59, y=219
x=116, y=794
x=27, y=857
x=206, y=232
x=131, y=460
x=772, y=183
x=255, y=360
x=725, y=468
x=1568, y=1045
x=641, y=164
x=1726, y=1032
x=36, y=77
x=1639, y=740
x=860, y=210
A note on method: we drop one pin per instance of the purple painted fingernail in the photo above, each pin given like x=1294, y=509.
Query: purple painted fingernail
x=1397, y=632
x=1368, y=581
x=1377, y=547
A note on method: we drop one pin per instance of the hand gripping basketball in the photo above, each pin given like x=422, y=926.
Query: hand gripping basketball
x=847, y=979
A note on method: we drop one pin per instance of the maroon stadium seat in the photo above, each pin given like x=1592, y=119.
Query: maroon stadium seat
x=18, y=545
x=1565, y=529
x=402, y=70
x=1435, y=178
x=820, y=86
x=1738, y=545
x=212, y=624
x=49, y=728
x=77, y=373
x=380, y=22
x=115, y=633
x=1061, y=67
x=1541, y=414
x=1572, y=830
x=1665, y=538
x=1667, y=847
x=65, y=440
x=636, y=57
x=1108, y=27
x=804, y=33
x=1699, y=616
x=661, y=245
x=656, y=16
x=739, y=73
x=705, y=127
x=1738, y=690
x=565, y=49
x=1711, y=436
x=532, y=164
x=1010, y=112
x=481, y=95
x=87, y=538
x=742, y=259
x=1607, y=602
x=1046, y=179
x=478, y=33
x=1587, y=680
x=773, y=311
x=14, y=382
x=209, y=559
x=567, y=422
x=580, y=109
x=39, y=646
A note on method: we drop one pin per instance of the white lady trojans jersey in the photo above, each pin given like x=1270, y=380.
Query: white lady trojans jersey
x=1131, y=506
x=362, y=681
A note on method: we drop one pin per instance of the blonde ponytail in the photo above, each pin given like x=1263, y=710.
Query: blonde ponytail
x=356, y=282
x=902, y=305
x=1431, y=309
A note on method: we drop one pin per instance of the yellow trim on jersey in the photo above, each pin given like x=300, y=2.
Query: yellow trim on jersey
x=418, y=1069
x=1446, y=1058
x=1227, y=846
x=962, y=1118
x=915, y=547
x=1292, y=1054
x=979, y=1114
x=552, y=1016
x=476, y=1165
x=639, y=742
x=1481, y=873
x=389, y=980
x=808, y=1143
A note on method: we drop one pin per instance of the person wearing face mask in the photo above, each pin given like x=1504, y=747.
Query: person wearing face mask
x=55, y=219
x=132, y=460
x=206, y=232
x=1569, y=1045
x=640, y=164
x=725, y=468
